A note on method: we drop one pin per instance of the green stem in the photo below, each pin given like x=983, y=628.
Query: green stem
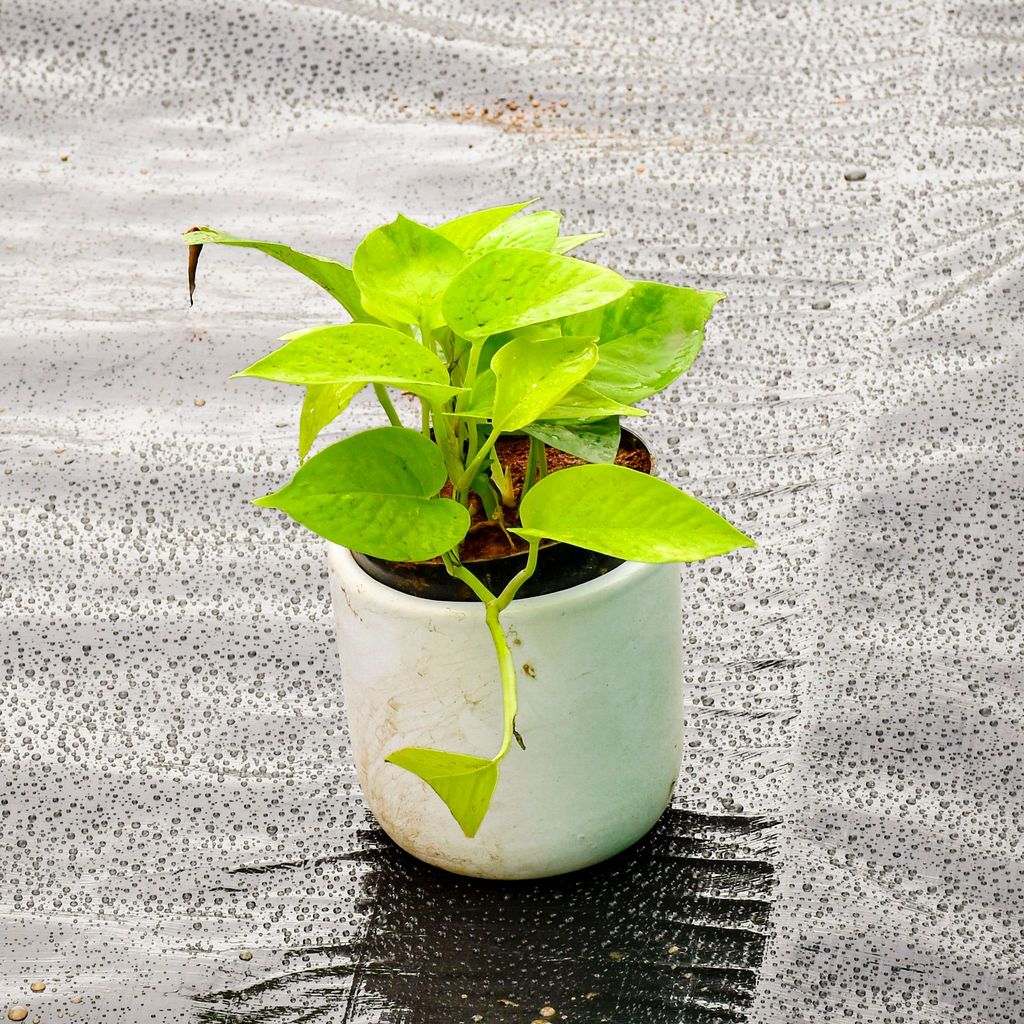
x=443, y=435
x=536, y=452
x=470, y=374
x=386, y=404
x=460, y=572
x=504, y=481
x=506, y=597
x=509, y=694
x=477, y=461
x=493, y=607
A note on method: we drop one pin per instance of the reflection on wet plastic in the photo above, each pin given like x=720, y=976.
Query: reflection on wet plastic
x=672, y=930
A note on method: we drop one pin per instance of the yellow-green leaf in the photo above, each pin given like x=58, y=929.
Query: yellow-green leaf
x=466, y=231
x=531, y=231
x=597, y=441
x=356, y=354
x=374, y=493
x=334, y=277
x=626, y=514
x=531, y=376
x=322, y=404
x=403, y=268
x=648, y=337
x=566, y=243
x=465, y=783
x=511, y=288
x=584, y=403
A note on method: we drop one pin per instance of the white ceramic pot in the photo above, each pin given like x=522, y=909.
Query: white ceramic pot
x=600, y=712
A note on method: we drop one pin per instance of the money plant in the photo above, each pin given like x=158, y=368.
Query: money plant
x=496, y=330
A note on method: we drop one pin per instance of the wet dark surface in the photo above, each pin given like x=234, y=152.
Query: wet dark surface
x=672, y=930
x=177, y=792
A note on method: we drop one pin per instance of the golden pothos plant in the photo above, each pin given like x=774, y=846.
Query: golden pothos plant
x=496, y=329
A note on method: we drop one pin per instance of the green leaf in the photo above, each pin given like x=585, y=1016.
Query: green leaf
x=531, y=376
x=595, y=442
x=531, y=231
x=586, y=403
x=403, y=268
x=482, y=486
x=322, y=404
x=356, y=354
x=374, y=493
x=511, y=288
x=545, y=329
x=648, y=337
x=465, y=783
x=466, y=231
x=566, y=243
x=334, y=277
x=626, y=514
x=481, y=397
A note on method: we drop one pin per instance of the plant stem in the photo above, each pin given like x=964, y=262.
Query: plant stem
x=504, y=481
x=386, y=404
x=532, y=460
x=470, y=374
x=460, y=572
x=493, y=607
x=445, y=440
x=506, y=597
x=427, y=341
x=477, y=461
x=509, y=694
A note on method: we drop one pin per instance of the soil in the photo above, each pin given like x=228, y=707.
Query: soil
x=486, y=539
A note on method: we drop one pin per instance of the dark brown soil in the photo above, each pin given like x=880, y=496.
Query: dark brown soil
x=486, y=539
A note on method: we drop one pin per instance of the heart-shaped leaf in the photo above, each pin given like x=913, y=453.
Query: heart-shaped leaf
x=403, y=268
x=322, y=404
x=334, y=277
x=511, y=288
x=566, y=243
x=465, y=783
x=648, y=337
x=531, y=231
x=356, y=354
x=584, y=403
x=531, y=376
x=626, y=514
x=595, y=442
x=374, y=493
x=466, y=231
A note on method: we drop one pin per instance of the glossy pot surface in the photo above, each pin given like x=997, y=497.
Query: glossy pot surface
x=600, y=712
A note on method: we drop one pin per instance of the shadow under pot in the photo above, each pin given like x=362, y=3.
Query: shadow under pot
x=598, y=652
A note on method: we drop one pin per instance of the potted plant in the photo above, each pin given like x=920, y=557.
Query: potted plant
x=511, y=520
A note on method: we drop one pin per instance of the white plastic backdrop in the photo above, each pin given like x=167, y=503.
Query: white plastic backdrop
x=848, y=173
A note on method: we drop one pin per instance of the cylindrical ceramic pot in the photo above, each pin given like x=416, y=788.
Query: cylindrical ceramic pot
x=600, y=712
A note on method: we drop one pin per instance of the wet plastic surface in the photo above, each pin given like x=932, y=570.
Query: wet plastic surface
x=176, y=789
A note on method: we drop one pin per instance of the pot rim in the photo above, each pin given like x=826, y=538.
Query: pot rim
x=621, y=575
